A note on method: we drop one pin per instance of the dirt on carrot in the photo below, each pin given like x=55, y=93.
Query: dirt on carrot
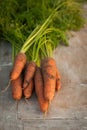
x=58, y=80
x=29, y=89
x=48, y=67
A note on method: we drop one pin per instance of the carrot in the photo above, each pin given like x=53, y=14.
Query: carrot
x=40, y=90
x=48, y=66
x=19, y=63
x=29, y=73
x=58, y=82
x=18, y=66
x=28, y=90
x=17, y=88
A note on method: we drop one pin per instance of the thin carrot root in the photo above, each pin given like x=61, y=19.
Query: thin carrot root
x=17, y=104
x=6, y=88
x=45, y=114
x=48, y=67
x=29, y=73
x=26, y=100
x=49, y=102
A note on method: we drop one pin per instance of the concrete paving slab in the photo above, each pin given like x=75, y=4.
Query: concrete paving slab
x=56, y=125
x=70, y=102
x=5, y=53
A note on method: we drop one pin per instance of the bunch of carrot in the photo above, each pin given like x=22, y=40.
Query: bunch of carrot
x=25, y=76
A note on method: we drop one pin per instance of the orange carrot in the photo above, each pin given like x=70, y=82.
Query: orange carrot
x=28, y=90
x=17, y=88
x=58, y=82
x=18, y=66
x=40, y=90
x=29, y=73
x=48, y=66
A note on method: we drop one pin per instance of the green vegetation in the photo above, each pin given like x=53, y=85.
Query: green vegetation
x=82, y=1
x=36, y=27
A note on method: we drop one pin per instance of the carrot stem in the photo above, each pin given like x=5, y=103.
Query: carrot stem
x=39, y=31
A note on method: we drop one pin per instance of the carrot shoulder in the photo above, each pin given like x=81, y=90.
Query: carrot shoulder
x=40, y=91
x=17, y=88
x=29, y=89
x=18, y=66
x=48, y=67
x=29, y=73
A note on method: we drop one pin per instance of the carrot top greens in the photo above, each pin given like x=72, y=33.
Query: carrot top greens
x=36, y=28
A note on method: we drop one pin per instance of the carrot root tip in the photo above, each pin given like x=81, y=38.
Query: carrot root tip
x=6, y=88
x=45, y=114
x=17, y=104
x=26, y=101
x=49, y=102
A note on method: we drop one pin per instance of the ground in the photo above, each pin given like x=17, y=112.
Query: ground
x=68, y=110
